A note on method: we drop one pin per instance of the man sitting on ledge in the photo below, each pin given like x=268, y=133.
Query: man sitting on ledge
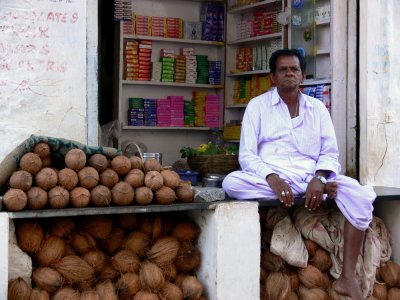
x=288, y=148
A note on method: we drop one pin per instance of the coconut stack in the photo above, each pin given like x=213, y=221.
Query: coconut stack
x=279, y=280
x=79, y=180
x=129, y=256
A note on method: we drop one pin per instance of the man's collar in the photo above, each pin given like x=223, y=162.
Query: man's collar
x=275, y=98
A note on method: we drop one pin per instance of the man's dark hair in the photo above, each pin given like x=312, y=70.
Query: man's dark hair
x=286, y=52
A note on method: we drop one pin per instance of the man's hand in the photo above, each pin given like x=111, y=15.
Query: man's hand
x=281, y=189
x=314, y=194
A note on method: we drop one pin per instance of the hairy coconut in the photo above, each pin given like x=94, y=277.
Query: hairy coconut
x=39, y=294
x=85, y=285
x=114, y=241
x=171, y=178
x=145, y=295
x=69, y=250
x=152, y=164
x=192, y=288
x=90, y=295
x=127, y=221
x=21, y=180
x=138, y=242
x=170, y=272
x=108, y=272
x=312, y=294
x=128, y=285
x=171, y=291
x=311, y=278
x=88, y=177
x=66, y=293
x=121, y=164
x=75, y=159
x=30, y=236
x=47, y=279
x=30, y=162
x=179, y=278
x=67, y=178
x=83, y=242
x=321, y=260
x=99, y=227
x=165, y=195
x=271, y=262
x=106, y=290
x=42, y=149
x=274, y=215
x=125, y=261
x=311, y=247
x=99, y=162
x=294, y=280
x=164, y=251
x=135, y=178
x=109, y=178
x=143, y=195
x=96, y=259
x=188, y=258
x=333, y=295
x=380, y=291
x=292, y=296
x=185, y=193
x=58, y=197
x=394, y=294
x=390, y=273
x=15, y=200
x=157, y=227
x=136, y=162
x=100, y=196
x=186, y=231
x=46, y=178
x=37, y=198
x=51, y=251
x=277, y=286
x=79, y=197
x=151, y=276
x=122, y=194
x=18, y=289
x=146, y=224
x=74, y=269
x=46, y=161
x=153, y=180
x=63, y=228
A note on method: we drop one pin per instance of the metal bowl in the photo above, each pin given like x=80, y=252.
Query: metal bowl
x=213, y=180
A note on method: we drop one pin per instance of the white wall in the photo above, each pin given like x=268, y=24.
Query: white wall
x=42, y=70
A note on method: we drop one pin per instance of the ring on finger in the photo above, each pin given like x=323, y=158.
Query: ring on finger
x=283, y=193
x=287, y=192
x=314, y=197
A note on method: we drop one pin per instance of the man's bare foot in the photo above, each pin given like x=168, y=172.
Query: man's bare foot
x=348, y=287
x=331, y=189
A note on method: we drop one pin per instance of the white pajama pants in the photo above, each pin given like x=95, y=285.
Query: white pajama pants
x=354, y=200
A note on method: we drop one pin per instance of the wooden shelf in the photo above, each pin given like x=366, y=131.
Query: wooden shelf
x=323, y=52
x=236, y=106
x=160, y=83
x=237, y=74
x=322, y=22
x=260, y=38
x=316, y=81
x=172, y=40
x=246, y=8
x=165, y=128
x=232, y=141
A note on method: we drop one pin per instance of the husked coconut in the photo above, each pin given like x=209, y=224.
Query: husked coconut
x=128, y=285
x=125, y=261
x=99, y=227
x=321, y=260
x=42, y=149
x=122, y=194
x=135, y=178
x=143, y=195
x=88, y=177
x=58, y=197
x=18, y=289
x=394, y=293
x=380, y=291
x=109, y=178
x=90, y=295
x=164, y=251
x=15, y=200
x=136, y=162
x=121, y=164
x=37, y=198
x=184, y=193
x=312, y=294
x=47, y=278
x=100, y=196
x=152, y=164
x=83, y=242
x=67, y=178
x=271, y=262
x=186, y=231
x=75, y=159
x=46, y=178
x=165, y=195
x=51, y=251
x=63, y=228
x=311, y=247
x=151, y=276
x=106, y=290
x=46, y=161
x=188, y=258
x=108, y=272
x=99, y=162
x=311, y=277
x=192, y=288
x=171, y=291
x=114, y=241
x=66, y=293
x=171, y=178
x=30, y=162
x=39, y=294
x=96, y=259
x=169, y=272
x=138, y=242
x=74, y=269
x=21, y=180
x=277, y=286
x=390, y=273
x=30, y=235
x=153, y=180
x=126, y=221
x=80, y=197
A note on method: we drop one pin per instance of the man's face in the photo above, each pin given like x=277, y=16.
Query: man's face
x=288, y=74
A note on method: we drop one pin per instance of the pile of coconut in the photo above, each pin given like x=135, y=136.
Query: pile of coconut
x=148, y=257
x=279, y=280
x=81, y=181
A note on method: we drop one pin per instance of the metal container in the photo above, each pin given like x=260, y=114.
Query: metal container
x=156, y=155
x=213, y=180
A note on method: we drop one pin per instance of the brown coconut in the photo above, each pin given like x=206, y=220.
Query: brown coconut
x=108, y=272
x=67, y=178
x=394, y=294
x=96, y=259
x=188, y=258
x=274, y=216
x=121, y=164
x=100, y=196
x=21, y=180
x=46, y=178
x=74, y=269
x=152, y=164
x=143, y=195
x=58, y=197
x=294, y=280
x=135, y=178
x=146, y=224
x=170, y=272
x=75, y=159
x=311, y=278
x=83, y=242
x=312, y=294
x=90, y=295
x=18, y=289
x=128, y=285
x=311, y=247
x=333, y=295
x=63, y=228
x=99, y=227
x=171, y=291
x=153, y=180
x=69, y=250
x=51, y=251
x=106, y=290
x=271, y=262
x=380, y=291
x=15, y=200
x=125, y=261
x=30, y=236
x=88, y=177
x=192, y=288
x=157, y=227
x=46, y=161
x=126, y=221
x=138, y=242
x=79, y=197
x=37, y=198
x=66, y=293
x=390, y=273
x=179, y=278
x=277, y=286
x=145, y=295
x=293, y=296
x=109, y=178
x=31, y=163
x=186, y=231
x=39, y=294
x=114, y=241
x=151, y=276
x=136, y=162
x=47, y=279
x=185, y=193
x=122, y=194
x=99, y=162
x=165, y=195
x=171, y=178
x=322, y=260
x=164, y=251
x=42, y=149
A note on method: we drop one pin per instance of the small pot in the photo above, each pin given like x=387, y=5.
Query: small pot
x=213, y=180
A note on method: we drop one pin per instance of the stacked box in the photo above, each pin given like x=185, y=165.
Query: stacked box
x=191, y=64
x=202, y=69
x=127, y=27
x=158, y=26
x=212, y=110
x=192, y=30
x=177, y=110
x=136, y=112
x=156, y=71
x=167, y=69
x=248, y=87
x=214, y=72
x=163, y=112
x=262, y=22
x=199, y=99
x=150, y=112
x=145, y=49
x=180, y=69
x=244, y=59
x=142, y=25
x=276, y=27
x=213, y=20
x=122, y=10
x=244, y=29
x=131, y=58
x=189, y=113
x=174, y=28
